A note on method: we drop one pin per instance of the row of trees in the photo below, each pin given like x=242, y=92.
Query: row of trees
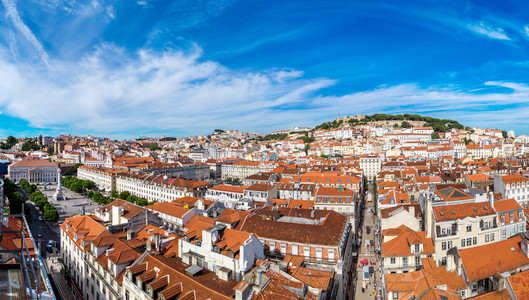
x=98, y=197
x=16, y=200
x=127, y=196
x=48, y=210
x=77, y=185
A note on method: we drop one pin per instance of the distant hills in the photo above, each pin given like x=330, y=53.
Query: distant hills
x=405, y=120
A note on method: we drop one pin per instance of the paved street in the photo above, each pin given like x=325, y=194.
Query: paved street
x=71, y=206
x=65, y=208
x=365, y=289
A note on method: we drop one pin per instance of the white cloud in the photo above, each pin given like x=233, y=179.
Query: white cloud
x=484, y=29
x=111, y=92
x=14, y=17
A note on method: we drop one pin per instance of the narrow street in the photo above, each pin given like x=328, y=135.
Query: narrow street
x=367, y=251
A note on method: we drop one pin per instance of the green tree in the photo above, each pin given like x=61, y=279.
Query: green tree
x=114, y=194
x=124, y=195
x=435, y=136
x=51, y=215
x=306, y=149
x=154, y=147
x=11, y=140
x=142, y=202
x=406, y=124
x=504, y=133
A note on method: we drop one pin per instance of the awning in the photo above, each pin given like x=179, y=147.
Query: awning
x=364, y=261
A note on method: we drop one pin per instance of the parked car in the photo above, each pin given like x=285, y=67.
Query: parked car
x=40, y=218
x=39, y=235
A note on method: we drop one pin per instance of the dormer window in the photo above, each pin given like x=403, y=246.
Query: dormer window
x=417, y=248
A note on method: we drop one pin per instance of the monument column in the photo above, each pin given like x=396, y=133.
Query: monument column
x=58, y=193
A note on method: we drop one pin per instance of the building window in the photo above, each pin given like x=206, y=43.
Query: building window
x=417, y=248
x=330, y=254
x=417, y=260
x=392, y=260
x=469, y=228
x=486, y=238
x=283, y=249
x=306, y=251
x=463, y=243
x=443, y=246
x=474, y=240
x=449, y=244
x=492, y=237
x=404, y=261
x=395, y=295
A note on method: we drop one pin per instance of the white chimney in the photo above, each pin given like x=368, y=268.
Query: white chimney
x=491, y=199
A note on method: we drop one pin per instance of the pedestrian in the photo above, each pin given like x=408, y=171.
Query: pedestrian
x=363, y=290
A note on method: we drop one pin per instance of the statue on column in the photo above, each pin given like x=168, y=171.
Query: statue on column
x=59, y=195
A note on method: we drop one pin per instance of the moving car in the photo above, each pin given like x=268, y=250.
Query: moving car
x=49, y=247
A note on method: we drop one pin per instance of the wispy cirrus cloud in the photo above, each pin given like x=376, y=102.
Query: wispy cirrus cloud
x=14, y=17
x=489, y=31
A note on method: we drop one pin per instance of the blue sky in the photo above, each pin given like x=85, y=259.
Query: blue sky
x=177, y=68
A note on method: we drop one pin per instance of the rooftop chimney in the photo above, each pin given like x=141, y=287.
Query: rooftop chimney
x=491, y=199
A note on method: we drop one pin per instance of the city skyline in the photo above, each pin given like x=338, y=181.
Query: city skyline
x=178, y=68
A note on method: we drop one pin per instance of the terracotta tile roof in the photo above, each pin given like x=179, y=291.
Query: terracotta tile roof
x=229, y=188
x=520, y=284
x=169, y=208
x=506, y=205
x=231, y=216
x=402, y=244
x=32, y=163
x=425, y=282
x=513, y=178
x=315, y=278
x=170, y=275
x=487, y=260
x=260, y=187
x=294, y=260
x=396, y=231
x=88, y=226
x=327, y=232
x=478, y=177
x=130, y=210
x=461, y=211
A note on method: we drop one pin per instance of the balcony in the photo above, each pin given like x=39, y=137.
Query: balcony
x=495, y=226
